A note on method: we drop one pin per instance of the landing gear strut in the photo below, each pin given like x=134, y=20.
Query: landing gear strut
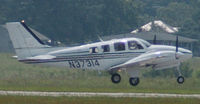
x=115, y=78
x=180, y=78
x=134, y=81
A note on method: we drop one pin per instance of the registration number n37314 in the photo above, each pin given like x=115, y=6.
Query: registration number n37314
x=83, y=63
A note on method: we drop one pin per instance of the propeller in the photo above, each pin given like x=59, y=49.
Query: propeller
x=154, y=40
x=176, y=55
x=176, y=43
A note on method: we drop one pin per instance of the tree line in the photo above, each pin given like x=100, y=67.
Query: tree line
x=79, y=21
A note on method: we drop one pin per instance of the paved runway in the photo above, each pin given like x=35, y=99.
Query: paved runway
x=91, y=94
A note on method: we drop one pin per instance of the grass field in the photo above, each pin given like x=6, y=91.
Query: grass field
x=18, y=76
x=93, y=100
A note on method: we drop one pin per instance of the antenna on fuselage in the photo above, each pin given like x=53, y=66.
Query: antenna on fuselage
x=154, y=39
x=100, y=38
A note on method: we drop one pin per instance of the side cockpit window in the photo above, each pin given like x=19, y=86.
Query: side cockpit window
x=106, y=48
x=93, y=50
x=119, y=46
x=133, y=45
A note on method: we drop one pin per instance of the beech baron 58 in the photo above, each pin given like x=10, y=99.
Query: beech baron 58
x=129, y=54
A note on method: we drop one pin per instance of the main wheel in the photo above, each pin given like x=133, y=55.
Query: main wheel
x=180, y=79
x=134, y=81
x=116, y=78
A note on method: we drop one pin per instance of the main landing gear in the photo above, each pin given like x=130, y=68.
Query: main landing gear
x=134, y=81
x=115, y=78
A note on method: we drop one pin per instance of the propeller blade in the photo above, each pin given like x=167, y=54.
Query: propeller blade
x=154, y=40
x=177, y=43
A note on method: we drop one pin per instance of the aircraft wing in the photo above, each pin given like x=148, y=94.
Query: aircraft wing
x=144, y=60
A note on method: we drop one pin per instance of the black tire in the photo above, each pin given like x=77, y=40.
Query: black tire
x=180, y=80
x=134, y=81
x=116, y=78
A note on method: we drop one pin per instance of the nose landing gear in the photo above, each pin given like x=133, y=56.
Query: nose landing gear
x=180, y=78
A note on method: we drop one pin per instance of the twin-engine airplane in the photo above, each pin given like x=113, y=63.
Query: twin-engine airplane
x=130, y=54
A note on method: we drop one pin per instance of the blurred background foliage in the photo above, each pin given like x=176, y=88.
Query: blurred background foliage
x=78, y=21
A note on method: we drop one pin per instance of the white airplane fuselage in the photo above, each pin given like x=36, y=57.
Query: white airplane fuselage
x=80, y=57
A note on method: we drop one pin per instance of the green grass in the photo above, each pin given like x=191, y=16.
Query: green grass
x=19, y=76
x=93, y=100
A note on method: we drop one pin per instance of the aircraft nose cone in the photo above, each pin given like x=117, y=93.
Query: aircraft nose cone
x=191, y=54
x=187, y=54
x=188, y=51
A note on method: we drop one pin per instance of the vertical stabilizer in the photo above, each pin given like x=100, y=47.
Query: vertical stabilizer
x=23, y=39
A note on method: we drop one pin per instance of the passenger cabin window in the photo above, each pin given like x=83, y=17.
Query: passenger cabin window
x=133, y=45
x=93, y=50
x=106, y=48
x=120, y=46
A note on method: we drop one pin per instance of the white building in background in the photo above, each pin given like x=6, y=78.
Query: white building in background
x=157, y=23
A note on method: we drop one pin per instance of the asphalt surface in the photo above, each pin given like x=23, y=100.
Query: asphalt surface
x=92, y=94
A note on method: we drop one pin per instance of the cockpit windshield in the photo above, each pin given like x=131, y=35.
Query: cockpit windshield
x=147, y=44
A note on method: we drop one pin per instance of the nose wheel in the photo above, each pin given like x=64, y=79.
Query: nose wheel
x=115, y=78
x=180, y=79
x=134, y=81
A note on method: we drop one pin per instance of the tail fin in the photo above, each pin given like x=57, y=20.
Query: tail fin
x=23, y=39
